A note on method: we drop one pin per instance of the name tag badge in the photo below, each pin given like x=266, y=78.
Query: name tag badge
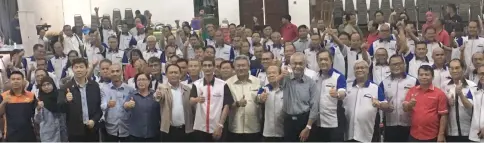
x=294, y=118
x=367, y=96
x=480, y=45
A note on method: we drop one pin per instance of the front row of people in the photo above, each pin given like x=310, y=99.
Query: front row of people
x=297, y=107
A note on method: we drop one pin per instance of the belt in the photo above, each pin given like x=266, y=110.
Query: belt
x=178, y=127
x=296, y=116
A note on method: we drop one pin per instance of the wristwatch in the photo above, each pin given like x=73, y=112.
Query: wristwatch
x=308, y=126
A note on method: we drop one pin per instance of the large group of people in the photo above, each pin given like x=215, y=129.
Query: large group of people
x=300, y=84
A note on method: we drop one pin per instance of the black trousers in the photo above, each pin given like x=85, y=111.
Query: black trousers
x=28, y=136
x=203, y=137
x=111, y=138
x=457, y=139
x=138, y=139
x=273, y=139
x=320, y=134
x=177, y=134
x=293, y=125
x=396, y=133
x=412, y=139
x=234, y=137
x=90, y=135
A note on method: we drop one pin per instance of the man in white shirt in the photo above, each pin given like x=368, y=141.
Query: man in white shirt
x=414, y=61
x=266, y=60
x=361, y=106
x=311, y=52
x=113, y=52
x=271, y=96
x=477, y=61
x=150, y=50
x=303, y=42
x=386, y=41
x=459, y=101
x=471, y=44
x=126, y=40
x=223, y=50
x=380, y=68
x=244, y=120
x=476, y=132
x=395, y=88
x=70, y=40
x=332, y=121
x=275, y=45
x=211, y=98
x=194, y=72
x=441, y=71
x=59, y=60
x=106, y=30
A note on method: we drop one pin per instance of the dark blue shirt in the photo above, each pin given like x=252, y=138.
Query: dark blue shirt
x=144, y=118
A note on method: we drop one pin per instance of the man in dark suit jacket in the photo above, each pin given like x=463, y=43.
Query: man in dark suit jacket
x=80, y=99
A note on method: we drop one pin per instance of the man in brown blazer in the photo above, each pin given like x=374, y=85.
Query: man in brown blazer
x=177, y=115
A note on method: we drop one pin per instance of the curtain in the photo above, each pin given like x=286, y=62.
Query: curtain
x=8, y=9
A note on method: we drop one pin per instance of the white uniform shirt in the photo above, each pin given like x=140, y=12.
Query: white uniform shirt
x=58, y=64
x=431, y=47
x=465, y=115
x=395, y=91
x=472, y=46
x=93, y=53
x=339, y=58
x=312, y=59
x=115, y=57
x=328, y=105
x=380, y=72
x=360, y=112
x=278, y=51
x=352, y=57
x=477, y=122
x=390, y=46
x=226, y=52
x=124, y=41
x=244, y=119
x=411, y=45
x=72, y=43
x=148, y=54
x=414, y=64
x=440, y=76
x=212, y=110
x=274, y=116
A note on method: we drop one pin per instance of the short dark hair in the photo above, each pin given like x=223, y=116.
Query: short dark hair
x=420, y=42
x=16, y=72
x=378, y=11
x=137, y=51
x=45, y=71
x=232, y=24
x=302, y=26
x=396, y=56
x=344, y=33
x=170, y=65
x=137, y=12
x=106, y=61
x=208, y=59
x=136, y=79
x=80, y=61
x=210, y=47
x=272, y=54
x=37, y=46
x=325, y=51
x=452, y=6
x=430, y=27
x=461, y=62
x=288, y=17
x=113, y=37
x=182, y=60
x=226, y=62
x=426, y=68
x=348, y=15
x=153, y=60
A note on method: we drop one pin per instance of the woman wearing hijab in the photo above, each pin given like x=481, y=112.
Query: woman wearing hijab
x=47, y=114
x=429, y=21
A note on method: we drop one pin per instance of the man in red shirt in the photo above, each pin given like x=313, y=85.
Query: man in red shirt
x=442, y=35
x=428, y=109
x=288, y=30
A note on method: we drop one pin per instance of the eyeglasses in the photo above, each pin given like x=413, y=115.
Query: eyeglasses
x=46, y=84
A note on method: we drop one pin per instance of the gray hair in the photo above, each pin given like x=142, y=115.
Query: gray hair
x=298, y=54
x=242, y=57
x=361, y=62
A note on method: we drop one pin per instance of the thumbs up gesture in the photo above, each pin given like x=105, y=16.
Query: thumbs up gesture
x=111, y=102
x=333, y=93
x=6, y=99
x=375, y=102
x=413, y=101
x=40, y=105
x=130, y=104
x=242, y=102
x=69, y=95
x=263, y=96
x=159, y=96
x=458, y=87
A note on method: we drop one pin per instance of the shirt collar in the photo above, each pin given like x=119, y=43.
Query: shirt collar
x=464, y=82
x=139, y=94
x=388, y=39
x=425, y=59
x=367, y=83
x=472, y=37
x=78, y=85
x=212, y=82
x=431, y=87
x=381, y=64
x=444, y=68
x=330, y=72
x=237, y=81
x=404, y=75
x=117, y=88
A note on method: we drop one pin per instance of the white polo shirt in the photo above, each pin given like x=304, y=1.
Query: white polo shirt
x=213, y=105
x=360, y=112
x=328, y=106
x=390, y=46
x=395, y=91
x=411, y=45
x=58, y=64
x=477, y=122
x=226, y=52
x=431, y=46
x=154, y=53
x=472, y=45
x=273, y=115
x=379, y=72
x=461, y=120
x=440, y=76
x=414, y=64
x=116, y=56
x=260, y=74
x=312, y=59
x=277, y=50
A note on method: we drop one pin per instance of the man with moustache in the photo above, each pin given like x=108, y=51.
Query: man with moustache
x=271, y=96
x=476, y=132
x=176, y=112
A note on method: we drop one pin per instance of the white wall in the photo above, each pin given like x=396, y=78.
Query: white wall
x=299, y=11
x=229, y=9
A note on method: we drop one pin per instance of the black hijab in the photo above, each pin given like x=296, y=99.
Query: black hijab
x=49, y=99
